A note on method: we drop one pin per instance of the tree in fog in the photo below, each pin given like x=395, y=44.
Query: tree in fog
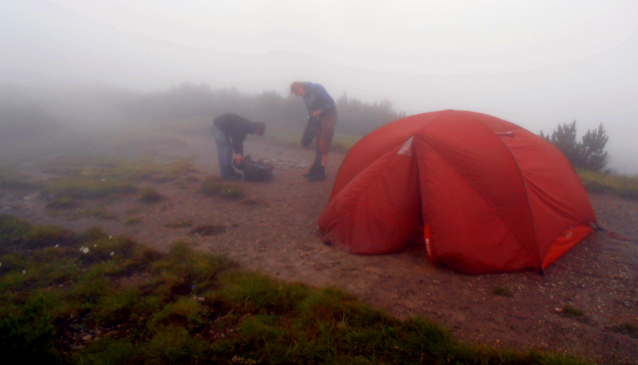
x=588, y=154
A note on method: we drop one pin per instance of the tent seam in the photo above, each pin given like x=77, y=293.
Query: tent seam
x=486, y=200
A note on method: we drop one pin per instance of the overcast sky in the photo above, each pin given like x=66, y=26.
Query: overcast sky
x=535, y=63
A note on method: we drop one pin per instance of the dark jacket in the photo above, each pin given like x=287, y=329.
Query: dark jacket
x=317, y=98
x=235, y=127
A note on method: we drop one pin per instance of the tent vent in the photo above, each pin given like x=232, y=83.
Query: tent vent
x=406, y=149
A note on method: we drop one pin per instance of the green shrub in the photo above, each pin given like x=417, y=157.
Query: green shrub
x=26, y=335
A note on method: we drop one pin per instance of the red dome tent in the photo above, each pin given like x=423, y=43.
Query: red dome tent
x=485, y=195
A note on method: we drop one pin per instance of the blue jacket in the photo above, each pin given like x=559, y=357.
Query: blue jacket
x=317, y=98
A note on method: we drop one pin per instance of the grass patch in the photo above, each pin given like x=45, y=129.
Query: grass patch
x=232, y=192
x=99, y=177
x=97, y=299
x=12, y=178
x=214, y=186
x=96, y=212
x=182, y=167
x=622, y=185
x=87, y=188
x=150, y=195
x=501, y=292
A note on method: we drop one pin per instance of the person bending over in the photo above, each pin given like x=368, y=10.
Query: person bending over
x=230, y=131
x=321, y=121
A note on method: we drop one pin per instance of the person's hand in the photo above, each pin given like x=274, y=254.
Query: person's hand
x=238, y=159
x=316, y=113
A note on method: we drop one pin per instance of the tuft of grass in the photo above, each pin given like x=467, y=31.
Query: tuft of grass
x=627, y=329
x=570, y=311
x=232, y=192
x=502, y=292
x=132, y=221
x=622, y=185
x=180, y=224
x=212, y=185
x=215, y=186
x=150, y=195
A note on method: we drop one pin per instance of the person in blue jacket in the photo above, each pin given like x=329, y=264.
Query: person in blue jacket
x=230, y=131
x=322, y=118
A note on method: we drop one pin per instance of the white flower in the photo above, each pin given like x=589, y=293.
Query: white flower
x=110, y=237
x=57, y=246
x=112, y=253
x=24, y=272
x=201, y=299
x=84, y=249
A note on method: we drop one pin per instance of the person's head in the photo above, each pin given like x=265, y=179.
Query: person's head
x=258, y=128
x=298, y=88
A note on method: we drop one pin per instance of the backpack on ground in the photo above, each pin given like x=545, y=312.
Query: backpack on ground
x=256, y=170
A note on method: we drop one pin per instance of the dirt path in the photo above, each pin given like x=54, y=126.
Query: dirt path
x=278, y=235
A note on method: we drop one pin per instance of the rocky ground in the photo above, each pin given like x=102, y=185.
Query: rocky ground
x=586, y=304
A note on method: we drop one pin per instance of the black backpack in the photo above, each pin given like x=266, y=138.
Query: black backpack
x=256, y=170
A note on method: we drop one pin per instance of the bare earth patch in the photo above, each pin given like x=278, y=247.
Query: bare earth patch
x=274, y=230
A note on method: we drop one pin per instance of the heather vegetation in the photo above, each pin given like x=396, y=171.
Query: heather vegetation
x=83, y=298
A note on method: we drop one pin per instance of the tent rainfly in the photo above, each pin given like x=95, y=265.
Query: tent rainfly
x=482, y=194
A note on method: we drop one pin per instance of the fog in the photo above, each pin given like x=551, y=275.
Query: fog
x=534, y=63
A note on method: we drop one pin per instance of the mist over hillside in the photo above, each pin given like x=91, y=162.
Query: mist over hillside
x=31, y=112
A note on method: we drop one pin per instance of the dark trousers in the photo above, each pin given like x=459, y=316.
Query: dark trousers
x=224, y=152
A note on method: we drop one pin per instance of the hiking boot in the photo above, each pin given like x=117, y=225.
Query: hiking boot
x=313, y=171
x=320, y=175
